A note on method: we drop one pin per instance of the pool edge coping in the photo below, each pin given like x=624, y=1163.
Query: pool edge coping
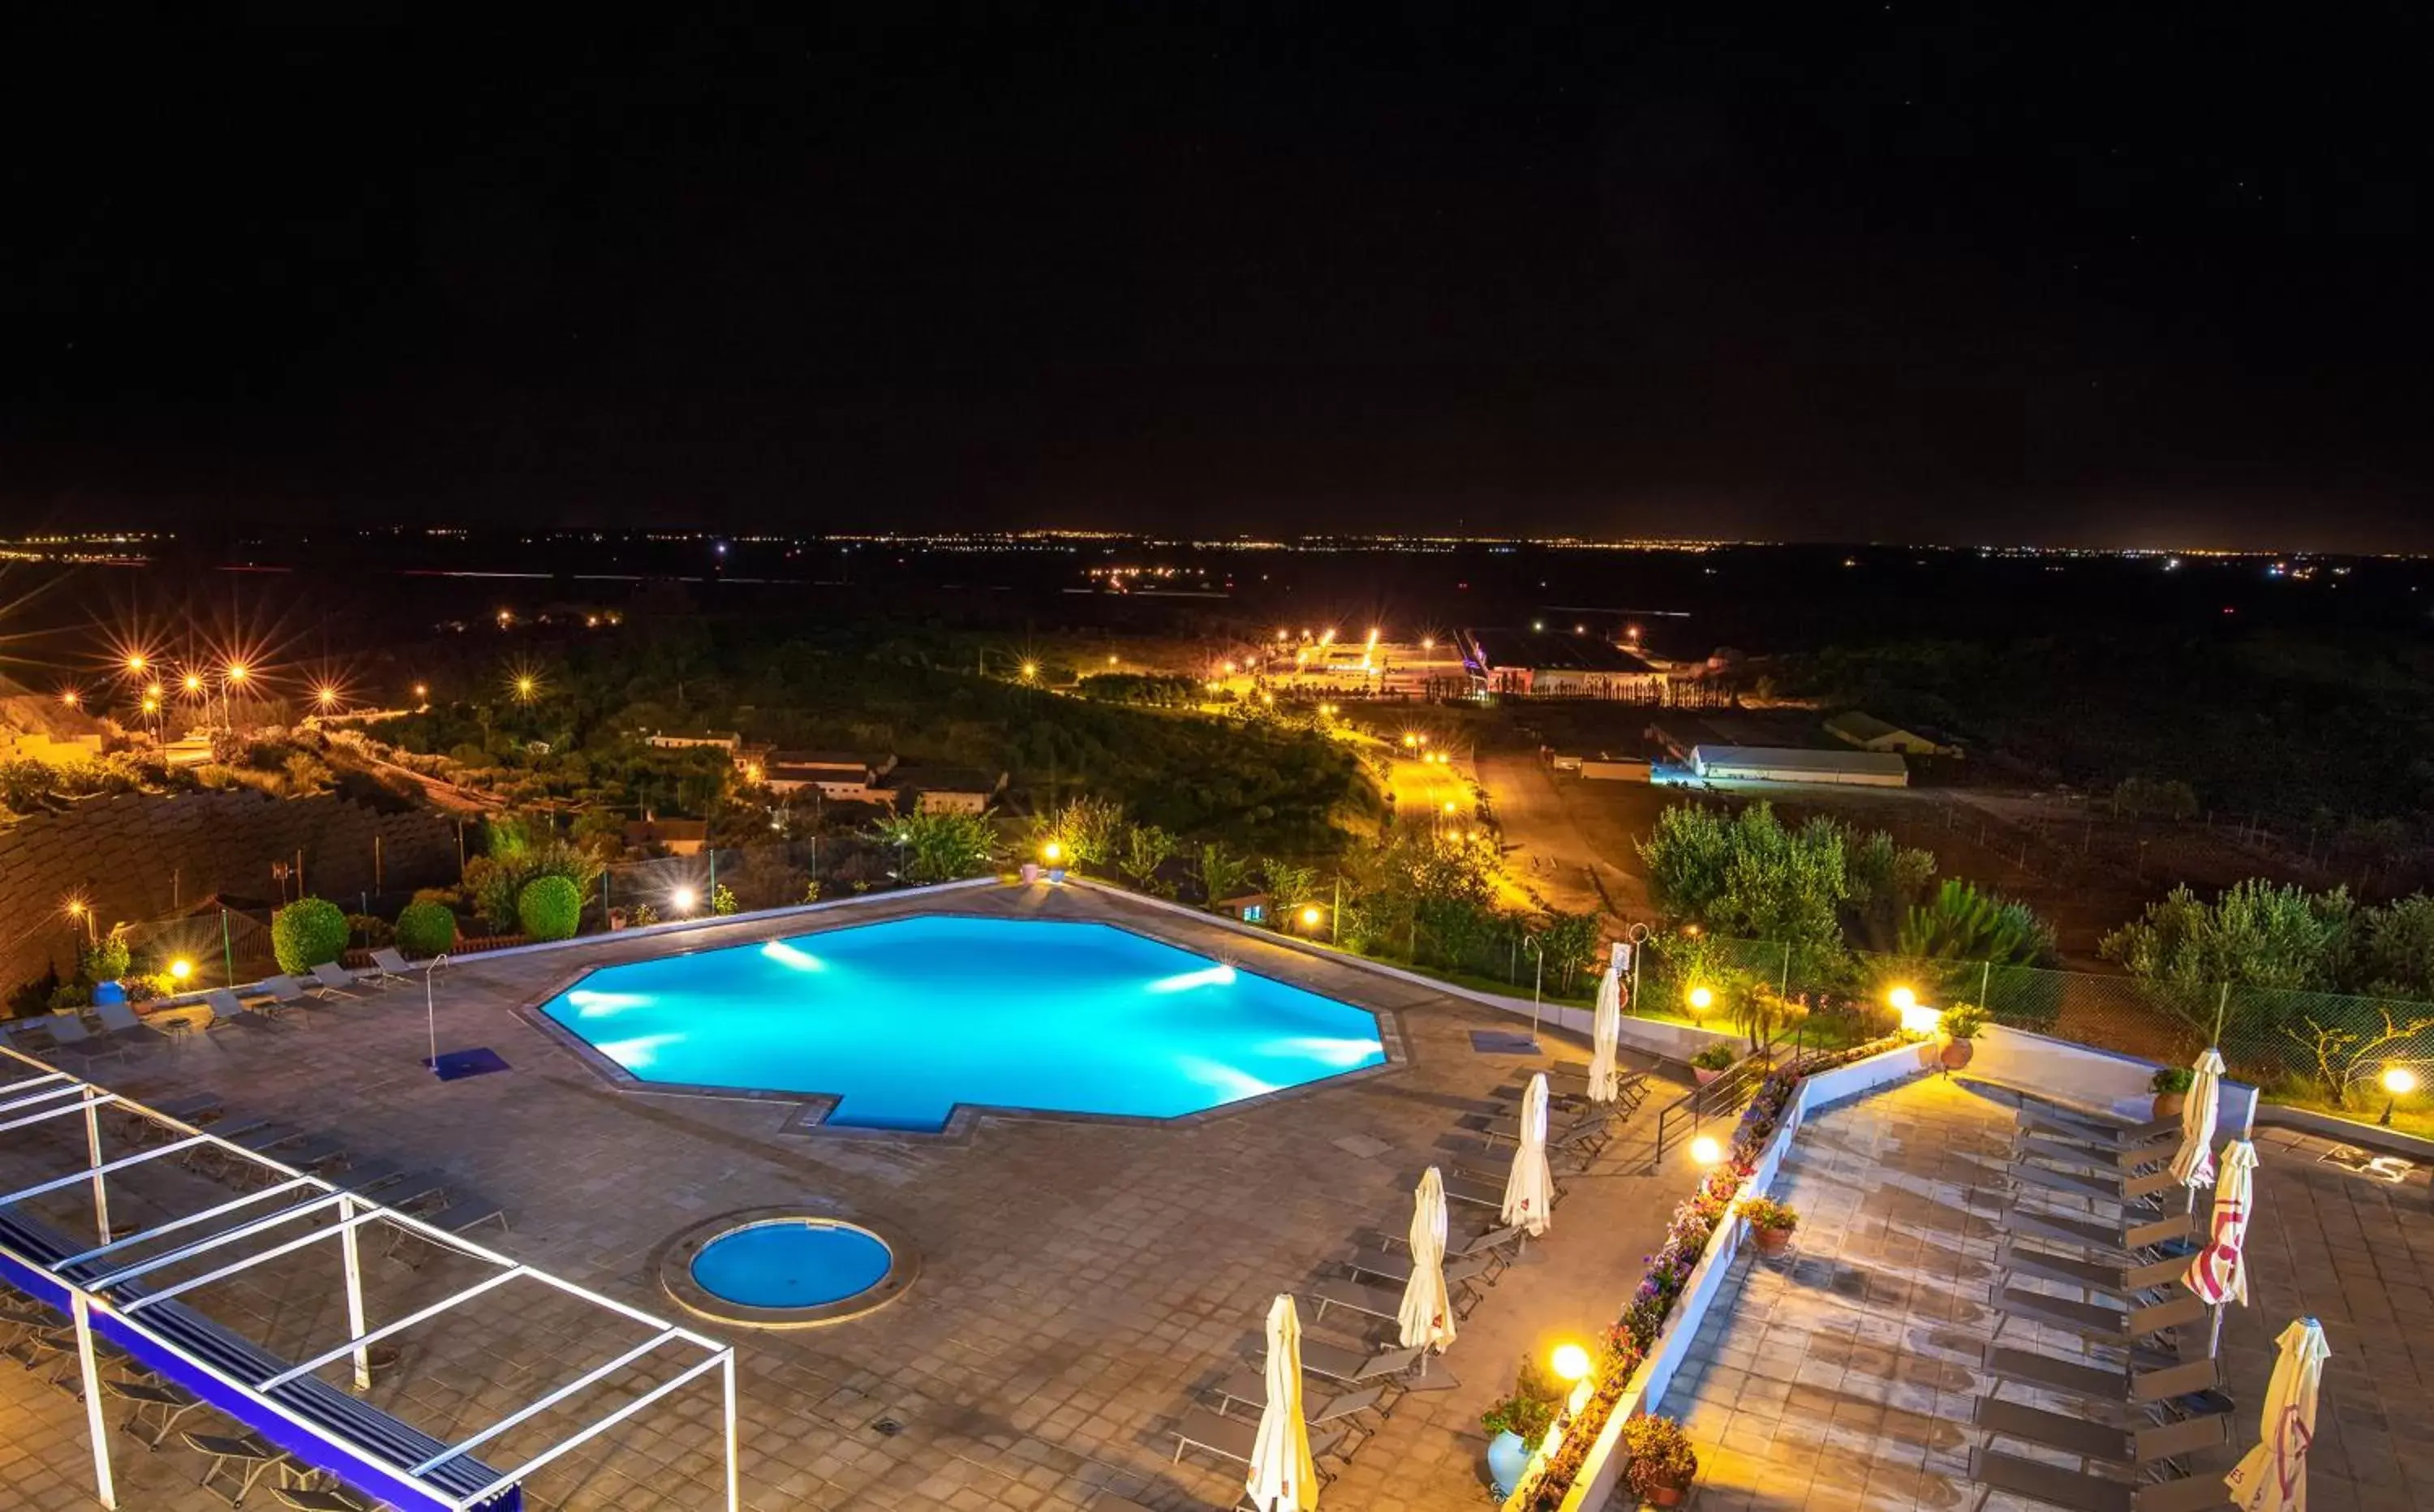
x=812, y=1109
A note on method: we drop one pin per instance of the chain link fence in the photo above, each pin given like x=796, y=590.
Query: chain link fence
x=2324, y=1050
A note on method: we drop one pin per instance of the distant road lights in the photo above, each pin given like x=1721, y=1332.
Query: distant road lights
x=525, y=687
x=1229, y=666
x=71, y=697
x=1411, y=741
x=193, y=683
x=326, y=696
x=1111, y=661
x=1448, y=805
x=1428, y=642
x=151, y=703
x=136, y=663
x=238, y=672
x=1282, y=637
x=1700, y=1000
x=1030, y=670
x=507, y=617
x=1579, y=630
x=1539, y=626
x=422, y=691
x=152, y=690
x=2399, y=1082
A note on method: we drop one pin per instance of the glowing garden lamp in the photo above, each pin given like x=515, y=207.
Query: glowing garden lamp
x=1701, y=1000
x=1310, y=917
x=1706, y=1150
x=1916, y=1017
x=1569, y=1362
x=181, y=969
x=684, y=898
x=525, y=687
x=1052, y=852
x=2399, y=1082
x=1030, y=670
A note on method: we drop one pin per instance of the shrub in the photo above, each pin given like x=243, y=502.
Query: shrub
x=1963, y=1021
x=1716, y=1057
x=722, y=899
x=426, y=927
x=549, y=908
x=369, y=930
x=2172, y=1078
x=109, y=960
x=306, y=933
x=1661, y=1455
x=1765, y=1213
x=1529, y=1410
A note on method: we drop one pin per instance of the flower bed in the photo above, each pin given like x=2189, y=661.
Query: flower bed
x=1624, y=1347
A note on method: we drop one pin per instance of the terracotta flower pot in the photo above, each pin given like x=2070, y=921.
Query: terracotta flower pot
x=1704, y=1075
x=1664, y=1495
x=1957, y=1053
x=2169, y=1104
x=1770, y=1241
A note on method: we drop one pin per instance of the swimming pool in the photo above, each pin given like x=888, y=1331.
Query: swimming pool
x=904, y=1021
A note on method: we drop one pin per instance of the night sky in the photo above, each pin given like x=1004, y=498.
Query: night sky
x=2126, y=275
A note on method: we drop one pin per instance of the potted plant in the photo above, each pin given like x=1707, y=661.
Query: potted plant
x=1662, y=1465
x=1518, y=1421
x=1771, y=1224
x=1961, y=1024
x=2172, y=1089
x=1712, y=1062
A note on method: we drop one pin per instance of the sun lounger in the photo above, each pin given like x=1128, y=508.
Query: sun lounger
x=329, y=980
x=2097, y=1382
x=389, y=968
x=1377, y=1301
x=1249, y=1389
x=1352, y=1366
x=69, y=1037
x=281, y=995
x=237, y=1462
x=156, y=1411
x=1396, y=1265
x=120, y=1022
x=1584, y=1136
x=226, y=1009
x=2097, y=1321
x=1234, y=1438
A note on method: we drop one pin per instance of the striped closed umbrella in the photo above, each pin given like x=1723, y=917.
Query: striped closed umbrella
x=1530, y=1187
x=2220, y=1272
x=2272, y=1477
x=2194, y=1164
x=1282, y=1479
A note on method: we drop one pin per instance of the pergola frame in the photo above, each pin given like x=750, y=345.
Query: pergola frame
x=90, y=1301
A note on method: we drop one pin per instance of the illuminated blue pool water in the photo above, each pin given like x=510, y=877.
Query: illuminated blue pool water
x=902, y=1021
x=791, y=1264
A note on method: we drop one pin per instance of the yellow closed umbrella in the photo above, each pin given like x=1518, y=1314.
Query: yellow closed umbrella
x=2193, y=1167
x=2272, y=1477
x=1426, y=1318
x=1606, y=1028
x=1530, y=1187
x=1282, y=1478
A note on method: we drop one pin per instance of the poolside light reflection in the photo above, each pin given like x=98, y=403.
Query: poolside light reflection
x=1231, y=1082
x=639, y=1052
x=591, y=1004
x=1220, y=974
x=786, y=955
x=1326, y=1051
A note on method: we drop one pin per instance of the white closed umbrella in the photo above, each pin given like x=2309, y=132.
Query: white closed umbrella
x=2220, y=1272
x=1427, y=1315
x=1604, y=1029
x=1530, y=1187
x=1282, y=1479
x=2273, y=1475
x=2194, y=1166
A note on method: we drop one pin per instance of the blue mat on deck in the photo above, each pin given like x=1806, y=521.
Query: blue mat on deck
x=456, y=1066
x=1502, y=1042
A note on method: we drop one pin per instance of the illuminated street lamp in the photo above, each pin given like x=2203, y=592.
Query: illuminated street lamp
x=1428, y=642
x=193, y=683
x=2399, y=1082
x=1570, y=1363
x=422, y=691
x=1706, y=1149
x=326, y=696
x=71, y=697
x=1700, y=1000
x=1030, y=670
x=136, y=663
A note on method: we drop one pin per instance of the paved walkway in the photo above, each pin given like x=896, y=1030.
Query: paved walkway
x=1842, y=1375
x=1085, y=1282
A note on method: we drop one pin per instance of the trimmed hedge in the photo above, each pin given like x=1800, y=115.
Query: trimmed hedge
x=549, y=908
x=426, y=928
x=306, y=933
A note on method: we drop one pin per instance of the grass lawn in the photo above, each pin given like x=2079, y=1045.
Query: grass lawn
x=2414, y=1114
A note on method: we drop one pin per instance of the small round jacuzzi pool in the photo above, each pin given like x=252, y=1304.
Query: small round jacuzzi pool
x=787, y=1268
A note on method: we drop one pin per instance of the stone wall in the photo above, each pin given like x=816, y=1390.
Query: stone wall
x=141, y=855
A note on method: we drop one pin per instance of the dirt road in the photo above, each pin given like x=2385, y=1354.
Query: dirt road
x=1572, y=840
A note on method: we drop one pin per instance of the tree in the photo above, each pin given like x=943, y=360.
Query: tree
x=1290, y=885
x=1748, y=875
x=1146, y=848
x=2395, y=954
x=1569, y=943
x=1887, y=881
x=1087, y=829
x=1959, y=923
x=939, y=847
x=1222, y=873
x=2141, y=797
x=2255, y=934
x=2343, y=1043
x=426, y=927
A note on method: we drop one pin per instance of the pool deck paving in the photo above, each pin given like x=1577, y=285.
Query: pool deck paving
x=1085, y=1282
x=1844, y=1374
